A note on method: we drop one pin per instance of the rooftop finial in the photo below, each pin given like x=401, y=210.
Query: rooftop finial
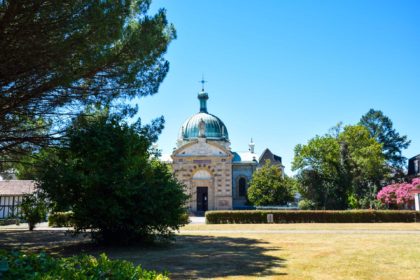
x=203, y=96
x=202, y=82
x=251, y=146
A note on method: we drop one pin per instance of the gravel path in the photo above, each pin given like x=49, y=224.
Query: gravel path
x=306, y=231
x=24, y=226
x=197, y=220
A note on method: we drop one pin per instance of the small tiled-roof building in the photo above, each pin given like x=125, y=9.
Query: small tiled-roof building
x=11, y=196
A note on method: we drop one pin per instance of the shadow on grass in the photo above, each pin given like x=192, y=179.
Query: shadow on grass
x=53, y=241
x=190, y=257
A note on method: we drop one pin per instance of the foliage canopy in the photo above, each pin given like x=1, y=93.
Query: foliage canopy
x=269, y=187
x=106, y=174
x=381, y=128
x=56, y=57
x=340, y=171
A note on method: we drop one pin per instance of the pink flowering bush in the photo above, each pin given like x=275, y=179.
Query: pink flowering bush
x=416, y=182
x=398, y=194
x=388, y=194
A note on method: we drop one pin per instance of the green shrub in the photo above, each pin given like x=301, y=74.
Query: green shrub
x=185, y=218
x=270, y=187
x=42, y=266
x=107, y=176
x=34, y=210
x=305, y=204
x=312, y=216
x=61, y=219
x=6, y=222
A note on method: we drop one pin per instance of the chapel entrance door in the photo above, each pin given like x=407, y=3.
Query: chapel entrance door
x=202, y=199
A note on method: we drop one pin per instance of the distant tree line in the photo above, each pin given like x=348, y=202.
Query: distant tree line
x=342, y=169
x=346, y=167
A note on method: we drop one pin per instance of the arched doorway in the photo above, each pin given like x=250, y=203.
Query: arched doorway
x=202, y=181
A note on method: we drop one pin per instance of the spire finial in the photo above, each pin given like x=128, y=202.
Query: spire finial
x=202, y=82
x=251, y=146
x=203, y=96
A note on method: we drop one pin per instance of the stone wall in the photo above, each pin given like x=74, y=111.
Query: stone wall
x=241, y=170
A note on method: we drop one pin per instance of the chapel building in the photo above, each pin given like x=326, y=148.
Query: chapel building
x=215, y=177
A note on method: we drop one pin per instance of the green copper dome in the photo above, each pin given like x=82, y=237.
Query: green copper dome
x=203, y=124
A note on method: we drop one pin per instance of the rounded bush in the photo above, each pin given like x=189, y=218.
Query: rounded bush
x=306, y=205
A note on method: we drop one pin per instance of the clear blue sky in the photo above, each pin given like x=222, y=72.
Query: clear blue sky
x=284, y=71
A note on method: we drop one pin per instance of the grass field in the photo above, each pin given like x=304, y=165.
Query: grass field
x=302, y=226
x=206, y=251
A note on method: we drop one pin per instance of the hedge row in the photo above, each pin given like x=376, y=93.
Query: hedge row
x=9, y=221
x=313, y=216
x=61, y=219
x=17, y=265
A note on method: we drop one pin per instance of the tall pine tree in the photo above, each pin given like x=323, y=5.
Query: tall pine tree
x=56, y=57
x=381, y=128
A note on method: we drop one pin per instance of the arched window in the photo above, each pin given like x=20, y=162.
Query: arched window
x=242, y=186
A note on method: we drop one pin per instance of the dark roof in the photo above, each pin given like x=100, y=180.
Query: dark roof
x=418, y=156
x=273, y=157
x=16, y=187
x=277, y=158
x=412, y=169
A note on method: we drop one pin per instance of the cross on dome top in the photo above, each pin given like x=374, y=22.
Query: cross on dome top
x=203, y=96
x=202, y=82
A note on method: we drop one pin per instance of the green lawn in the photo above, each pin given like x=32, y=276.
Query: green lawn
x=202, y=252
x=309, y=226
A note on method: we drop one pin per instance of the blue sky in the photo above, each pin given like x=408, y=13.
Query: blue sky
x=282, y=72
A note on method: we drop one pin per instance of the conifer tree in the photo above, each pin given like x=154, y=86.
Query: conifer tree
x=381, y=128
x=56, y=57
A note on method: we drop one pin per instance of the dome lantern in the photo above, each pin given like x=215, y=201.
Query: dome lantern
x=203, y=97
x=203, y=124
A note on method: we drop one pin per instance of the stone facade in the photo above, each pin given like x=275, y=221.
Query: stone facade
x=241, y=171
x=204, y=163
x=215, y=177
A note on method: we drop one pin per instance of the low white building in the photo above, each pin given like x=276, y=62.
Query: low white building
x=416, y=194
x=11, y=196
